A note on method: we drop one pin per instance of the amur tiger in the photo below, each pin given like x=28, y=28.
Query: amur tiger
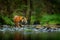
x=19, y=20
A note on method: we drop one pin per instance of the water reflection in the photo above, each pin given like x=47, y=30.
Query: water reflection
x=18, y=36
x=28, y=33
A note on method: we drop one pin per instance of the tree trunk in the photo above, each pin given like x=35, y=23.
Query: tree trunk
x=30, y=11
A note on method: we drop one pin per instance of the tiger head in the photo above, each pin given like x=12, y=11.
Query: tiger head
x=24, y=20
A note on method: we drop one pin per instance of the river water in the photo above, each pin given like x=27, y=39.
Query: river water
x=29, y=33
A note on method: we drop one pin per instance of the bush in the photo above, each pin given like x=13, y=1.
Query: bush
x=51, y=19
x=7, y=20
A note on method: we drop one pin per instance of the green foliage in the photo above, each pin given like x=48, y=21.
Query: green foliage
x=52, y=19
x=7, y=20
x=32, y=19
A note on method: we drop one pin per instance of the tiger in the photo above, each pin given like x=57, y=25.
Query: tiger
x=19, y=20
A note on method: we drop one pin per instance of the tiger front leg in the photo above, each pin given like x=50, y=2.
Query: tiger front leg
x=17, y=24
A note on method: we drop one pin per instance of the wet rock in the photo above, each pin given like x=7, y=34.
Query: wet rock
x=29, y=29
x=5, y=26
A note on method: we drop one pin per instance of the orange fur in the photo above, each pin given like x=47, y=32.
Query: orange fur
x=17, y=19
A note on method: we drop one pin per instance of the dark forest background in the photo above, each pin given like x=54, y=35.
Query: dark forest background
x=45, y=11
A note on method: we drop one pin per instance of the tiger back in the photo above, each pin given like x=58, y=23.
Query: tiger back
x=17, y=18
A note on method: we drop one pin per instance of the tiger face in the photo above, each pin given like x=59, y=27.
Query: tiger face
x=18, y=20
x=24, y=20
